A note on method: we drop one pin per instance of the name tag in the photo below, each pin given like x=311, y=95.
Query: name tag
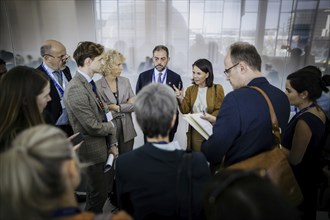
x=109, y=116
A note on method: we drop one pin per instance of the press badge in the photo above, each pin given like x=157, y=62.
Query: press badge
x=109, y=116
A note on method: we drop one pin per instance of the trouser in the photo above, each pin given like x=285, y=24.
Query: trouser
x=97, y=187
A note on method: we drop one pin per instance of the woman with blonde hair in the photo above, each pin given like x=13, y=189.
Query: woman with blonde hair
x=116, y=91
x=39, y=174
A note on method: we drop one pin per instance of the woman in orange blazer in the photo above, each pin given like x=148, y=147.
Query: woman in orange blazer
x=202, y=96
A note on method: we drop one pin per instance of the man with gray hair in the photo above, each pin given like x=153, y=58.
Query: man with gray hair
x=167, y=195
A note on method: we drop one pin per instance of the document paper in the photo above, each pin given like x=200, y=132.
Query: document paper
x=203, y=126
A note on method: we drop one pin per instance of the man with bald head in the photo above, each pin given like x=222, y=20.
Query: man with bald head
x=54, y=60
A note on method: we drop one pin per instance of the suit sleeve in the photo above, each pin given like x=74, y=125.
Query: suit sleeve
x=218, y=100
x=225, y=131
x=138, y=85
x=127, y=107
x=186, y=105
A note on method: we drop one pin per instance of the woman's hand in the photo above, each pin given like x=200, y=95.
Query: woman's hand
x=178, y=93
x=114, y=107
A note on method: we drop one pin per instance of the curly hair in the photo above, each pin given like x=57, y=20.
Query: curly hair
x=110, y=56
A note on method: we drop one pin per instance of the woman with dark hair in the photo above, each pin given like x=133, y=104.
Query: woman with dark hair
x=305, y=133
x=202, y=96
x=24, y=94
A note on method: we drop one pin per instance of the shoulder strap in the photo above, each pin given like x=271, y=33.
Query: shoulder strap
x=275, y=127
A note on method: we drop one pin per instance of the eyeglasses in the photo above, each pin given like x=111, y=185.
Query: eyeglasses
x=63, y=57
x=226, y=72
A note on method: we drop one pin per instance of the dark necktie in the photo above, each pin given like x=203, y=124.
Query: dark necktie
x=160, y=77
x=96, y=95
x=93, y=86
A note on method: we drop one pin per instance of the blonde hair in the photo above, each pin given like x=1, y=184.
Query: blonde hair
x=110, y=56
x=32, y=179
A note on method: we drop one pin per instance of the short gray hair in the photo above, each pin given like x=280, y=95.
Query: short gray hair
x=155, y=107
x=32, y=180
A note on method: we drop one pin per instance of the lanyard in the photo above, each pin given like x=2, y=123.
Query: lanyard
x=64, y=212
x=57, y=85
x=162, y=80
x=302, y=111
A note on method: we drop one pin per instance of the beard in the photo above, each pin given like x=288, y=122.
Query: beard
x=160, y=68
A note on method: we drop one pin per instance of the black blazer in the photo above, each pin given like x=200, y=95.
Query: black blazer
x=145, y=78
x=53, y=109
x=172, y=78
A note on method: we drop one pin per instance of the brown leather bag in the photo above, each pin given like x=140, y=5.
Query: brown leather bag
x=274, y=162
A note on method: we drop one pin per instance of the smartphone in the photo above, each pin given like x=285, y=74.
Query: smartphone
x=77, y=139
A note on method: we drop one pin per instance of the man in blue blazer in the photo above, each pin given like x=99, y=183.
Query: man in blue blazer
x=161, y=74
x=54, y=59
x=243, y=126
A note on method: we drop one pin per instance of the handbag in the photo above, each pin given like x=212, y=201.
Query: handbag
x=274, y=162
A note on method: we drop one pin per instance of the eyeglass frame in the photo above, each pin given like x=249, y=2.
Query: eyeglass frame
x=226, y=72
x=63, y=57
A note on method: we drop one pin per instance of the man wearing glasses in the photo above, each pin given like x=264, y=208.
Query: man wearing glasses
x=54, y=60
x=243, y=126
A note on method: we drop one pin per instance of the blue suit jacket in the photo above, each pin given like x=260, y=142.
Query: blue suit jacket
x=243, y=126
x=172, y=78
x=145, y=78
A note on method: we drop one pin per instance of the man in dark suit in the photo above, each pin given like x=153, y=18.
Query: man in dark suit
x=161, y=74
x=54, y=59
x=89, y=116
x=243, y=126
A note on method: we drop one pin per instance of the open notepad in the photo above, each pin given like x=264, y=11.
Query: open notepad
x=203, y=126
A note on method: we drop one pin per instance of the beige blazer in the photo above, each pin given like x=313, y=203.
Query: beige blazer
x=125, y=92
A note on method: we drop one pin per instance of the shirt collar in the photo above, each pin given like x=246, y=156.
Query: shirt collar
x=172, y=146
x=48, y=69
x=87, y=77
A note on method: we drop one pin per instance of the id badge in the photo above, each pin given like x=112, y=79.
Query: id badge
x=109, y=116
